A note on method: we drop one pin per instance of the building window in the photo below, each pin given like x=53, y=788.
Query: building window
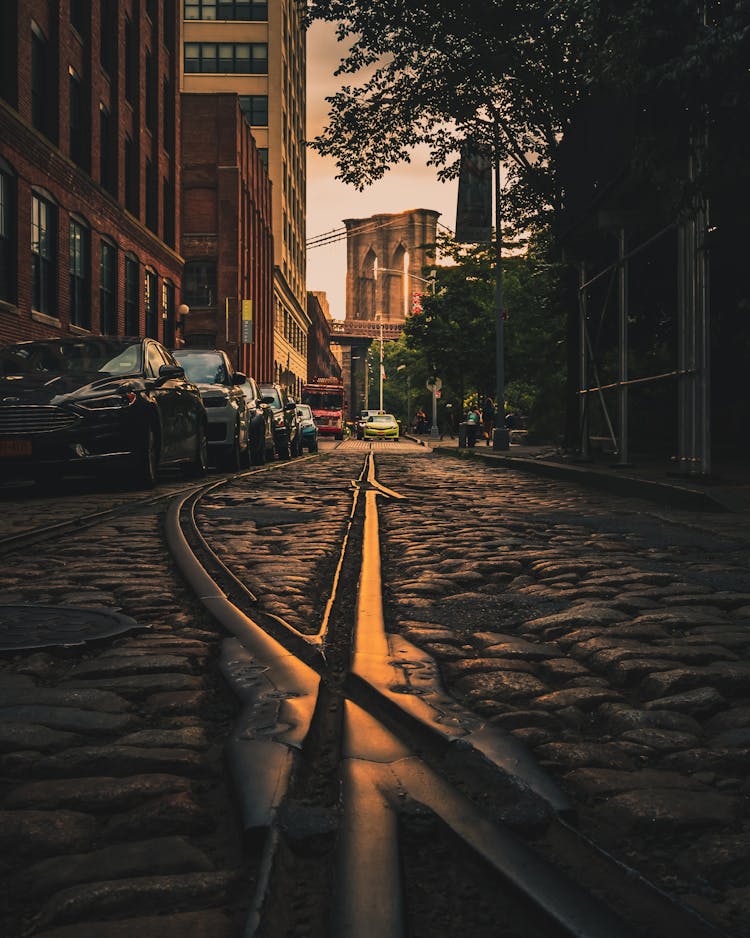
x=169, y=25
x=254, y=10
x=263, y=154
x=151, y=98
x=242, y=58
x=41, y=74
x=255, y=109
x=43, y=266
x=108, y=289
x=79, y=150
x=80, y=301
x=169, y=212
x=167, y=313
x=167, y=117
x=199, y=283
x=107, y=161
x=79, y=15
x=7, y=237
x=131, y=177
x=131, y=297
x=149, y=296
x=152, y=193
x=131, y=62
x=108, y=35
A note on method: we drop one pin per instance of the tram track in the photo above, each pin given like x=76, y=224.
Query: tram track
x=347, y=750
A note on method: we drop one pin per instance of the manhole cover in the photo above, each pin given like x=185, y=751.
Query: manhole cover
x=24, y=627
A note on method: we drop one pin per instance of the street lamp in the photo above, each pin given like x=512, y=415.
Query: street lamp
x=408, y=393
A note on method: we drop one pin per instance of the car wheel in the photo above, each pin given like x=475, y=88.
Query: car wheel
x=231, y=460
x=146, y=461
x=282, y=448
x=257, y=451
x=199, y=464
x=313, y=447
x=46, y=477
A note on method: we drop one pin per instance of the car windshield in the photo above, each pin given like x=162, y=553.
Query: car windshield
x=271, y=396
x=102, y=355
x=383, y=420
x=324, y=400
x=304, y=411
x=203, y=367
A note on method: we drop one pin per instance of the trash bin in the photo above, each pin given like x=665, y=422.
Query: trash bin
x=467, y=433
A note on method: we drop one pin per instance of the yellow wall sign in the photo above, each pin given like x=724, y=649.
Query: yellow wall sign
x=247, y=321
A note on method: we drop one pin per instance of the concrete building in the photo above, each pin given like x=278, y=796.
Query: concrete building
x=226, y=240
x=257, y=50
x=89, y=171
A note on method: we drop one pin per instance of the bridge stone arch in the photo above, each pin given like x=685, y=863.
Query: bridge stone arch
x=402, y=241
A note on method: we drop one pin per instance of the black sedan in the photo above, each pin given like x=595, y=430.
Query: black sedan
x=70, y=405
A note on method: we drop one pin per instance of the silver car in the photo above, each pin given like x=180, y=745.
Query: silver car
x=226, y=407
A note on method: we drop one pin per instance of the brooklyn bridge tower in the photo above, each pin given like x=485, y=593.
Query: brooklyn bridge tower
x=386, y=260
x=386, y=255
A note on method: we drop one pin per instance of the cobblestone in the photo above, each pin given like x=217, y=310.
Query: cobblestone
x=633, y=615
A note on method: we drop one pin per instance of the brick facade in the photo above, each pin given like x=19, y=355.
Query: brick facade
x=227, y=235
x=99, y=147
x=321, y=362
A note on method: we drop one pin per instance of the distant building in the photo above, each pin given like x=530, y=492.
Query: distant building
x=89, y=169
x=256, y=49
x=321, y=361
x=227, y=241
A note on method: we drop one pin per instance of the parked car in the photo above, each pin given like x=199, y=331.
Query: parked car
x=380, y=427
x=73, y=404
x=224, y=401
x=361, y=419
x=308, y=428
x=260, y=421
x=286, y=433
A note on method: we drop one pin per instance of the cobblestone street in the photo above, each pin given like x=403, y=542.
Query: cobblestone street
x=610, y=636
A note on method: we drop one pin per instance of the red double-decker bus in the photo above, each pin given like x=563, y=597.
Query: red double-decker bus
x=326, y=399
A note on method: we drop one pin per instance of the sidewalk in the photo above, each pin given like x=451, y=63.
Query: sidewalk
x=647, y=477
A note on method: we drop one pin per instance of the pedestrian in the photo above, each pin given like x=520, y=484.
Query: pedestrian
x=488, y=418
x=473, y=423
x=420, y=421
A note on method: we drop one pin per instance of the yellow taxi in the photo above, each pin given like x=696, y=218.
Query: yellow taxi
x=380, y=427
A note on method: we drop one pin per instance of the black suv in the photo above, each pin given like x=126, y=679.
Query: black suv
x=286, y=432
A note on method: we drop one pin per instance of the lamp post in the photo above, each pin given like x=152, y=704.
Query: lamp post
x=408, y=392
x=501, y=435
x=379, y=318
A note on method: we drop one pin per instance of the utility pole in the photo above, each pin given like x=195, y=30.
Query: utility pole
x=501, y=436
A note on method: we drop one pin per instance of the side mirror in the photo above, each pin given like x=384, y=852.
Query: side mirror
x=171, y=371
x=291, y=406
x=239, y=378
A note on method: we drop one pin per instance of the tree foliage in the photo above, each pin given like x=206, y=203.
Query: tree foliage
x=454, y=335
x=512, y=75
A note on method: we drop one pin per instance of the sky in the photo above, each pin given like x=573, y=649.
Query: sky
x=329, y=201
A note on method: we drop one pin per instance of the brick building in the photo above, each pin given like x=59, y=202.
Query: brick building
x=227, y=236
x=89, y=171
x=321, y=361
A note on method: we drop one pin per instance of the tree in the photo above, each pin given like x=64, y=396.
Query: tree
x=455, y=331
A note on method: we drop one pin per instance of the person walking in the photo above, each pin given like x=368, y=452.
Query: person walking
x=473, y=423
x=488, y=418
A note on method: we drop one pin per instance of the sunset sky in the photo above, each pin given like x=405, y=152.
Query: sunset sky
x=329, y=201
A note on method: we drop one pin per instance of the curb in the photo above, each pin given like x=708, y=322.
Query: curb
x=664, y=493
